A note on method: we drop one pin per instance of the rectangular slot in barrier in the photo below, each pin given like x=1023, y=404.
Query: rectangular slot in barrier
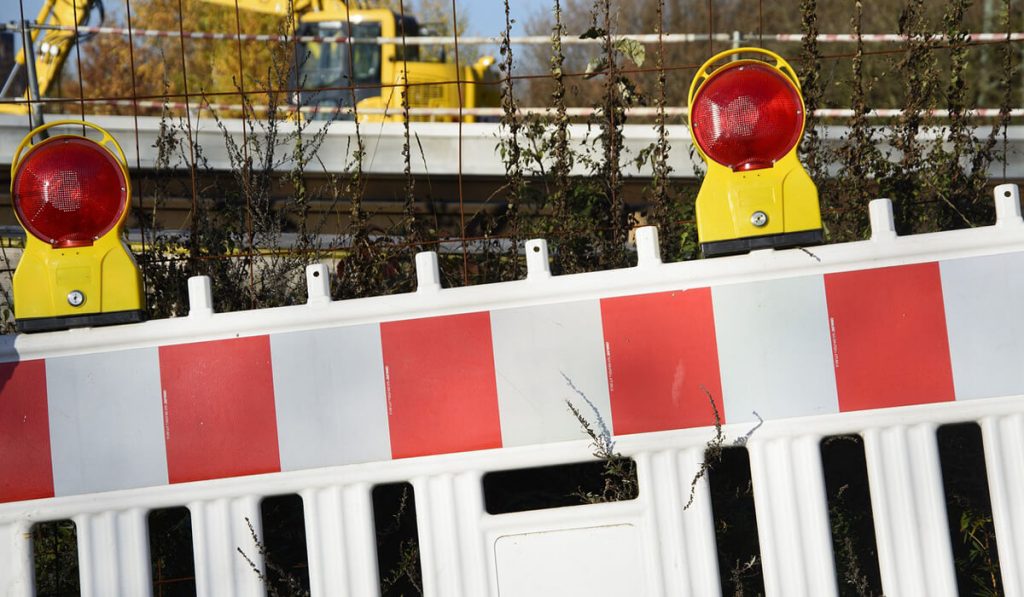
x=735, y=519
x=398, y=546
x=560, y=485
x=850, y=516
x=55, y=558
x=170, y=551
x=284, y=544
x=969, y=508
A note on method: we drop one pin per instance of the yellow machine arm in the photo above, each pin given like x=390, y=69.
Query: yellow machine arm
x=52, y=46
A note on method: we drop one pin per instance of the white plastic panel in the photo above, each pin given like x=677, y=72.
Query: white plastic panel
x=473, y=552
x=535, y=350
x=603, y=561
x=106, y=421
x=340, y=541
x=684, y=535
x=360, y=540
x=448, y=512
x=1004, y=461
x=219, y=529
x=16, y=560
x=113, y=553
x=909, y=508
x=983, y=298
x=330, y=402
x=792, y=517
x=774, y=346
x=325, y=542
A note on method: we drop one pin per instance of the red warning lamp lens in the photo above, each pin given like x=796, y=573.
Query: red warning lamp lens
x=68, y=191
x=747, y=116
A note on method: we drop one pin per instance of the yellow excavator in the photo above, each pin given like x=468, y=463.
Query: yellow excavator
x=50, y=45
x=380, y=73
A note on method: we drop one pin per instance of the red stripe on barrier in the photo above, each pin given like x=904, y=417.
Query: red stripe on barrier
x=26, y=470
x=889, y=340
x=662, y=355
x=439, y=376
x=219, y=418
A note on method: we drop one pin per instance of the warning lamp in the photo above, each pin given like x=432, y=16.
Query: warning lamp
x=746, y=120
x=70, y=194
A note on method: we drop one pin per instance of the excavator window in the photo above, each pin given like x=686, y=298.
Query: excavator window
x=326, y=64
x=410, y=28
x=366, y=56
x=322, y=65
x=326, y=71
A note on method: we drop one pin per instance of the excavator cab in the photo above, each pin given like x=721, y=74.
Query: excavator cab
x=327, y=72
x=331, y=68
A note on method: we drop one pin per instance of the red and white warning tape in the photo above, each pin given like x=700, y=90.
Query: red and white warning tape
x=646, y=111
x=496, y=40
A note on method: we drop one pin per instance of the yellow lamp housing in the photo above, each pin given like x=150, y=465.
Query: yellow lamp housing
x=70, y=194
x=746, y=120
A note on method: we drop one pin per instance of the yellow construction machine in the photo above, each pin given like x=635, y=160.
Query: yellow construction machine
x=342, y=56
x=379, y=73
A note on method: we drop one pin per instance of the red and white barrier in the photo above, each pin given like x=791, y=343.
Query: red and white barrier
x=888, y=338
x=841, y=339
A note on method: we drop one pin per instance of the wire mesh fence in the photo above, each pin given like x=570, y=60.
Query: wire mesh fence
x=925, y=93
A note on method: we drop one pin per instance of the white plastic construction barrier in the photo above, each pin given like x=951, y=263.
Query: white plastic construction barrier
x=887, y=338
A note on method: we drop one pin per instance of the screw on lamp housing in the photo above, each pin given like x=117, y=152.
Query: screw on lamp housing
x=76, y=298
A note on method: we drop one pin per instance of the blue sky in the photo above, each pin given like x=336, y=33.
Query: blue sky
x=9, y=10
x=487, y=17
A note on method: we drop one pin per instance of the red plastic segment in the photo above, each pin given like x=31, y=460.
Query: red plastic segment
x=440, y=383
x=889, y=340
x=219, y=417
x=26, y=469
x=662, y=361
x=68, y=191
x=747, y=116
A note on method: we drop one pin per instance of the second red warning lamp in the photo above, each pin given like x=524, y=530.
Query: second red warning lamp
x=747, y=119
